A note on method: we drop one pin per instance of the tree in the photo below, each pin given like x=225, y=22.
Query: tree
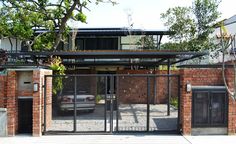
x=228, y=41
x=147, y=43
x=179, y=20
x=20, y=19
x=192, y=25
x=206, y=15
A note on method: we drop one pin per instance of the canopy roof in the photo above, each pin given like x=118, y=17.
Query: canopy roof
x=115, y=32
x=104, y=58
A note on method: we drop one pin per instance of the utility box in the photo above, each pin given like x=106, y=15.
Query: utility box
x=3, y=122
x=25, y=81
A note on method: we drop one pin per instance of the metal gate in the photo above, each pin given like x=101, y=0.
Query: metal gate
x=109, y=103
x=209, y=107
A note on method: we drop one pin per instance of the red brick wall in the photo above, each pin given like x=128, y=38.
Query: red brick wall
x=9, y=99
x=134, y=89
x=38, y=101
x=11, y=103
x=162, y=87
x=3, y=91
x=203, y=77
x=49, y=99
x=232, y=104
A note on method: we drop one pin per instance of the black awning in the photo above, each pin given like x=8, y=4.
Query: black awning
x=152, y=57
x=114, y=32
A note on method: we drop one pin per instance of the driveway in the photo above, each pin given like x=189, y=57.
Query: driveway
x=131, y=117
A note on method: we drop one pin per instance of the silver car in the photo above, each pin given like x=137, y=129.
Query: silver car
x=84, y=102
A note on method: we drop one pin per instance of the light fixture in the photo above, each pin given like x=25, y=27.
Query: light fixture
x=188, y=87
x=36, y=87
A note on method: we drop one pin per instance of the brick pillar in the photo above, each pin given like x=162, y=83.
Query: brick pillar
x=37, y=96
x=49, y=98
x=2, y=91
x=186, y=104
x=232, y=103
x=11, y=103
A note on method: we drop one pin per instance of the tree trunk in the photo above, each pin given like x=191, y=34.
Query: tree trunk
x=63, y=24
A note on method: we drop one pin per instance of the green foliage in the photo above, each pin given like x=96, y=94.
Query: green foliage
x=20, y=18
x=206, y=14
x=81, y=17
x=3, y=58
x=58, y=69
x=98, y=98
x=192, y=26
x=179, y=20
x=164, y=67
x=146, y=42
x=174, y=102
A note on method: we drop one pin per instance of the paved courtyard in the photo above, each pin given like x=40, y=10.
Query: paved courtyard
x=131, y=117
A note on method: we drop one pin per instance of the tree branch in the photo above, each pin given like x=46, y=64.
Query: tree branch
x=63, y=23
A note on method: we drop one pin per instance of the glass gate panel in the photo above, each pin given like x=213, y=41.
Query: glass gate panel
x=209, y=108
x=200, y=108
x=90, y=104
x=218, y=108
x=62, y=104
x=132, y=108
x=107, y=103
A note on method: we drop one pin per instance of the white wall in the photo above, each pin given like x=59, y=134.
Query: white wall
x=5, y=44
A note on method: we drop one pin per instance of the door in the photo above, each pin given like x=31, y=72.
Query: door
x=25, y=115
x=209, y=108
x=111, y=82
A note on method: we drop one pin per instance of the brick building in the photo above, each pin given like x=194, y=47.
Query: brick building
x=109, y=52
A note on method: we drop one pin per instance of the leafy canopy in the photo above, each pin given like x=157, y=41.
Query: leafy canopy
x=146, y=42
x=20, y=19
x=192, y=25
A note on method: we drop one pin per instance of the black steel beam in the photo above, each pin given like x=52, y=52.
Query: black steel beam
x=75, y=95
x=117, y=104
x=179, y=104
x=160, y=61
x=105, y=106
x=189, y=58
x=148, y=103
x=110, y=63
x=205, y=66
x=155, y=90
x=168, y=88
x=113, y=54
x=45, y=105
x=159, y=41
x=111, y=102
x=114, y=32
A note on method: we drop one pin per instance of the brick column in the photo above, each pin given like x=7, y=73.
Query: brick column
x=11, y=103
x=49, y=98
x=38, y=101
x=2, y=91
x=37, y=124
x=232, y=103
x=186, y=104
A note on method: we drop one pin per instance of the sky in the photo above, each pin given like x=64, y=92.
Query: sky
x=143, y=14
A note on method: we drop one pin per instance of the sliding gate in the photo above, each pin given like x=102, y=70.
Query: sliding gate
x=108, y=103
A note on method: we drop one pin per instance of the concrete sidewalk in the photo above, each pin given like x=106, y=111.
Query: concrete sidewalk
x=118, y=139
